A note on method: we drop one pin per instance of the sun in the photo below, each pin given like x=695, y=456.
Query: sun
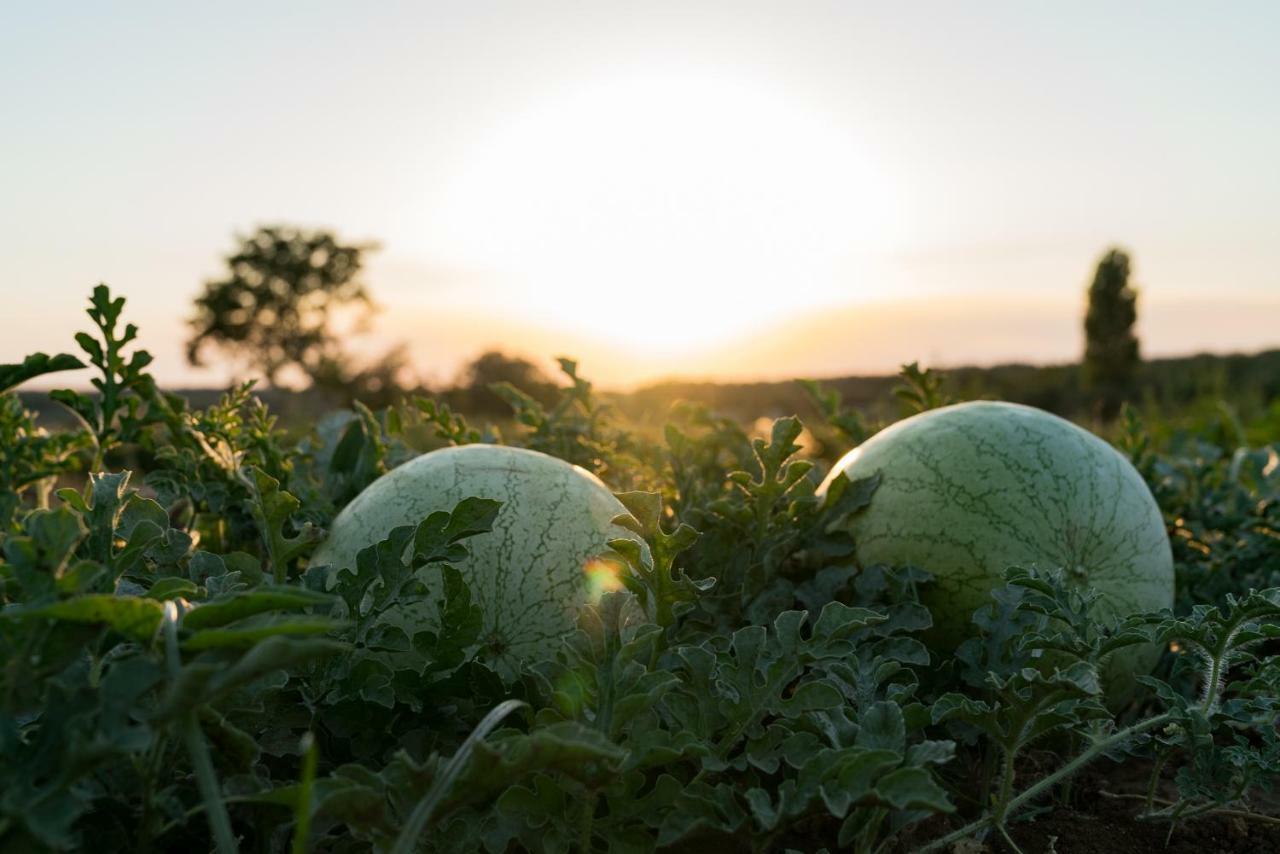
x=667, y=212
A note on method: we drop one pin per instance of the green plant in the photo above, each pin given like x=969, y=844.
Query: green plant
x=177, y=672
x=1026, y=704
x=921, y=389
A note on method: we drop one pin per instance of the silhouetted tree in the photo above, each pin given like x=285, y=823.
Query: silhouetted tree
x=382, y=382
x=497, y=367
x=471, y=390
x=1111, y=349
x=274, y=309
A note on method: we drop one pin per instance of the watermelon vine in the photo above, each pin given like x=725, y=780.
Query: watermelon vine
x=394, y=630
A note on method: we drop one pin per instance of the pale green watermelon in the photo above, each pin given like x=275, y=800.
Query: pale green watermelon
x=970, y=490
x=529, y=574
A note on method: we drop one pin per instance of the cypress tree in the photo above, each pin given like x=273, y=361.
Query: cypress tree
x=1111, y=356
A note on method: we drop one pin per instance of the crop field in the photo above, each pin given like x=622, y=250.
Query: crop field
x=397, y=630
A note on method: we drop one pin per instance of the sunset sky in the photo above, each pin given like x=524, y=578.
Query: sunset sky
x=699, y=188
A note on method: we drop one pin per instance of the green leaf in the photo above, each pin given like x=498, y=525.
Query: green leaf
x=420, y=818
x=931, y=753
x=133, y=616
x=847, y=777
x=249, y=632
x=208, y=681
x=273, y=509
x=838, y=621
x=913, y=789
x=882, y=726
x=435, y=538
x=173, y=588
x=848, y=422
x=228, y=609
x=665, y=591
x=976, y=713
x=36, y=365
x=45, y=552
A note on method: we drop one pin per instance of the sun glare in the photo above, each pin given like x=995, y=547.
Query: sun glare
x=668, y=213
x=602, y=578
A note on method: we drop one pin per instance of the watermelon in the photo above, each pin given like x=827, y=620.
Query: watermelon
x=972, y=489
x=529, y=575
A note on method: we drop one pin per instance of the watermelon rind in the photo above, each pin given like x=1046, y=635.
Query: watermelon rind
x=528, y=574
x=969, y=490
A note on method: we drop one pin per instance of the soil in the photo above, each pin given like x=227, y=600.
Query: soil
x=1108, y=826
x=1102, y=819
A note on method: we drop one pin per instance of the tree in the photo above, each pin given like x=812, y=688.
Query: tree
x=1111, y=356
x=471, y=392
x=274, y=310
x=495, y=366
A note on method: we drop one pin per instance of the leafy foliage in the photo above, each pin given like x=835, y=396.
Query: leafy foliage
x=35, y=365
x=173, y=675
x=1222, y=505
x=921, y=389
x=577, y=427
x=849, y=425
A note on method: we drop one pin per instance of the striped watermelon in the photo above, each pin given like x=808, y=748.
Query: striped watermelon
x=972, y=489
x=529, y=574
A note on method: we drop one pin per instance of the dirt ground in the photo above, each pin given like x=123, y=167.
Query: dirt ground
x=1102, y=820
x=1107, y=826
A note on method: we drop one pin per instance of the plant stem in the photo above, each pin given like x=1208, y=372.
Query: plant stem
x=150, y=770
x=302, y=812
x=1049, y=781
x=763, y=844
x=425, y=809
x=988, y=769
x=1006, y=790
x=207, y=782
x=193, y=740
x=1245, y=814
x=1206, y=809
x=1155, y=778
x=1085, y=758
x=1009, y=840
x=1213, y=680
x=585, y=822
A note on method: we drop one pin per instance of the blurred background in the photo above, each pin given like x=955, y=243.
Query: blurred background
x=1061, y=205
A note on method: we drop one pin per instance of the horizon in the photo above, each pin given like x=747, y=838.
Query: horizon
x=716, y=191
x=45, y=383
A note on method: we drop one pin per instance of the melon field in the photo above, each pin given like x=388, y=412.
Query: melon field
x=982, y=628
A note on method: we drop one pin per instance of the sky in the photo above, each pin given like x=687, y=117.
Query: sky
x=708, y=189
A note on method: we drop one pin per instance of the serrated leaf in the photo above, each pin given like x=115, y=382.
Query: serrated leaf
x=882, y=726
x=913, y=788
x=37, y=364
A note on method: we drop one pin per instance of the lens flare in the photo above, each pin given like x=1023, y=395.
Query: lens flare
x=602, y=577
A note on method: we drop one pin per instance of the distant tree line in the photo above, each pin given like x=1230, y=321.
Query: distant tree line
x=1250, y=380
x=275, y=313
